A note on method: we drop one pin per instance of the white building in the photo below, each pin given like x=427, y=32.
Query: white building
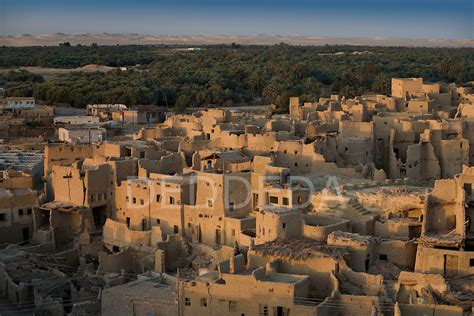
x=17, y=103
x=78, y=134
x=96, y=109
x=76, y=120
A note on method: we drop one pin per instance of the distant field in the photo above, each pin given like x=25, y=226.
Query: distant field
x=52, y=73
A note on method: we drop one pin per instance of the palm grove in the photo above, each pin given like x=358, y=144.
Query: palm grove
x=226, y=74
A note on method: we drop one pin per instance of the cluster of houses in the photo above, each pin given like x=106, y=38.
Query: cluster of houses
x=357, y=206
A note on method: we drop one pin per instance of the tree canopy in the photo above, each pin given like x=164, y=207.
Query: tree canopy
x=226, y=74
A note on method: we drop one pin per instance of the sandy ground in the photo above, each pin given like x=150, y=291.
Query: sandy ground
x=124, y=39
x=51, y=73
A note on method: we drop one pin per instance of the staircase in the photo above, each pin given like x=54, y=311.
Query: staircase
x=356, y=206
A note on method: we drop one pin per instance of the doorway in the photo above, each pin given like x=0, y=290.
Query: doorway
x=100, y=215
x=450, y=265
x=26, y=234
x=281, y=311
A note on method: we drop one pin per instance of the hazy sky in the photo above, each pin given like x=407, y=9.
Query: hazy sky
x=336, y=18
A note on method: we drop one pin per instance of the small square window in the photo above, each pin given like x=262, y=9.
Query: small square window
x=187, y=301
x=285, y=201
x=127, y=198
x=29, y=211
x=203, y=302
x=20, y=212
x=471, y=262
x=158, y=198
x=134, y=200
x=158, y=221
x=383, y=257
x=3, y=217
x=171, y=200
x=142, y=202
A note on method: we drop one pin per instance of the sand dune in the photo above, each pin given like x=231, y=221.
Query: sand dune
x=261, y=39
x=51, y=73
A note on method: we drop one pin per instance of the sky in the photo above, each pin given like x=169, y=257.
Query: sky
x=451, y=19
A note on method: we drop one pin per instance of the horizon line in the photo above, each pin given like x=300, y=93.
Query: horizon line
x=99, y=33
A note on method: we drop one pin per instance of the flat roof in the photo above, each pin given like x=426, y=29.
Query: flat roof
x=284, y=278
x=149, y=288
x=300, y=248
x=15, y=192
x=20, y=159
x=62, y=206
x=276, y=209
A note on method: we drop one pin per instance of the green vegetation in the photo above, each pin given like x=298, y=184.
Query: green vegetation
x=225, y=75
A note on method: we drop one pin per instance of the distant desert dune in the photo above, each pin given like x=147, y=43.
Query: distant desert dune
x=261, y=39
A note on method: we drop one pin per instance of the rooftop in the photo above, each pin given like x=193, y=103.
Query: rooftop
x=62, y=206
x=150, y=288
x=270, y=208
x=14, y=192
x=230, y=156
x=20, y=159
x=298, y=249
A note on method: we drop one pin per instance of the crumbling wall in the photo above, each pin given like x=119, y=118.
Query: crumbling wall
x=281, y=225
x=359, y=283
x=58, y=154
x=401, y=253
x=445, y=210
x=117, y=234
x=65, y=226
x=362, y=249
x=350, y=305
x=319, y=227
x=116, y=262
x=422, y=162
x=167, y=164
x=355, y=142
x=176, y=251
x=411, y=283
x=444, y=261
x=454, y=154
x=398, y=228
x=319, y=269
x=429, y=309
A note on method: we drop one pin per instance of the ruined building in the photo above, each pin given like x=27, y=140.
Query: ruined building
x=343, y=206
